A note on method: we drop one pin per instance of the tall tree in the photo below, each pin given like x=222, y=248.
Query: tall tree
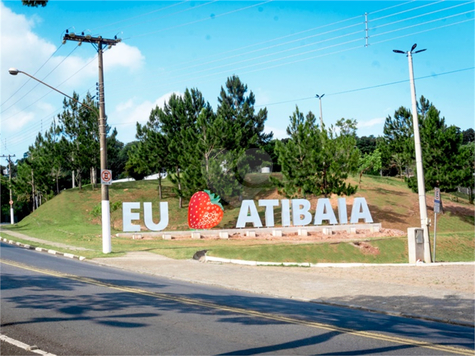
x=301, y=158
x=316, y=160
x=34, y=3
x=397, y=146
x=440, y=146
x=79, y=126
x=238, y=111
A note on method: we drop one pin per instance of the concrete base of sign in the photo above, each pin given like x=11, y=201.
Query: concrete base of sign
x=375, y=228
x=137, y=237
x=277, y=233
x=325, y=229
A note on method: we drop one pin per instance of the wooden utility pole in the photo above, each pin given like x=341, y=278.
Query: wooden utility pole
x=99, y=43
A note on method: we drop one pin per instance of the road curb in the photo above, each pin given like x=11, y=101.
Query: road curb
x=41, y=249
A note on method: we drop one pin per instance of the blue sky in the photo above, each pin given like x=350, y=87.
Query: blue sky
x=285, y=51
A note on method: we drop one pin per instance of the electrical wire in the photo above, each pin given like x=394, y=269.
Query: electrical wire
x=37, y=84
x=408, y=10
x=51, y=90
x=421, y=15
x=366, y=88
x=16, y=91
x=140, y=15
x=199, y=20
x=339, y=44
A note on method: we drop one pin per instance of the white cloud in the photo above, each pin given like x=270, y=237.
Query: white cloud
x=278, y=133
x=126, y=115
x=25, y=102
x=123, y=55
x=370, y=123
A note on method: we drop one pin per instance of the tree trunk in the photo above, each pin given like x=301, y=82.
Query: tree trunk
x=93, y=177
x=159, y=186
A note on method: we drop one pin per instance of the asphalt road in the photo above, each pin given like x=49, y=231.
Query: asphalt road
x=65, y=307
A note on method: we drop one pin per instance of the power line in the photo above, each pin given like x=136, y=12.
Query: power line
x=16, y=91
x=141, y=15
x=199, y=20
x=368, y=87
x=3, y=111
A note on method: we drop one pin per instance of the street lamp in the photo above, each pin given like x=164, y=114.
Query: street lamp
x=319, y=97
x=419, y=166
x=106, y=226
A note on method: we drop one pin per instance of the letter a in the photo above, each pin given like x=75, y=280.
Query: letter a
x=360, y=210
x=248, y=214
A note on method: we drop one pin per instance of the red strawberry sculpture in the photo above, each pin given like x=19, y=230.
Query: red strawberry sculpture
x=204, y=210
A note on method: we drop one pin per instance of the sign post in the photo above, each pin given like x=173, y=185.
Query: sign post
x=437, y=203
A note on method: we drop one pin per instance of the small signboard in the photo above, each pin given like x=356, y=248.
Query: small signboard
x=437, y=201
x=106, y=177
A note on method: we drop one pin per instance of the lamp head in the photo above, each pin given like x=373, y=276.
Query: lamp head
x=13, y=71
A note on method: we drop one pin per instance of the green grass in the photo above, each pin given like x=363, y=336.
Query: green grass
x=69, y=219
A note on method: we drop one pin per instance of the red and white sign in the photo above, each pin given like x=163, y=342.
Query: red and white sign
x=106, y=177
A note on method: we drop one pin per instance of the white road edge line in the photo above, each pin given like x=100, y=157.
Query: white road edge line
x=24, y=346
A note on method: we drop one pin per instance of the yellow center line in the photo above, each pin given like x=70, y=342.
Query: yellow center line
x=249, y=312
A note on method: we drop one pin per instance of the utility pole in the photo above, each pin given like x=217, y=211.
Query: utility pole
x=12, y=218
x=319, y=97
x=99, y=43
x=418, y=151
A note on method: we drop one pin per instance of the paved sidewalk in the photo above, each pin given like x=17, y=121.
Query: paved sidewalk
x=433, y=292
x=40, y=241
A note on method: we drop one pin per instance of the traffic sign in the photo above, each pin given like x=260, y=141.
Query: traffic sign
x=106, y=177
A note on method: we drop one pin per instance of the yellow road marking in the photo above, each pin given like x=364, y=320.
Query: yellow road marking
x=249, y=312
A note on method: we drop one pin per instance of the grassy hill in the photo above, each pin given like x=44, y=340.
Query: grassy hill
x=73, y=218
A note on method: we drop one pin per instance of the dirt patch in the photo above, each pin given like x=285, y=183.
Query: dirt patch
x=366, y=248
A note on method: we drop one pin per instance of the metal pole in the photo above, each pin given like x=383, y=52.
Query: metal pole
x=106, y=227
x=435, y=231
x=12, y=219
x=321, y=113
x=419, y=166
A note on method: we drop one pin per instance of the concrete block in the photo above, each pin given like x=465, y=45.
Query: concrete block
x=137, y=237
x=327, y=231
x=303, y=232
x=374, y=228
x=223, y=235
x=166, y=237
x=250, y=233
x=353, y=230
x=195, y=235
x=277, y=233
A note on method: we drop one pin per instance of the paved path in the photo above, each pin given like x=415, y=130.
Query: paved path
x=40, y=241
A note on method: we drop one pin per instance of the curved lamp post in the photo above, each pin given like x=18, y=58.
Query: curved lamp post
x=419, y=165
x=106, y=227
